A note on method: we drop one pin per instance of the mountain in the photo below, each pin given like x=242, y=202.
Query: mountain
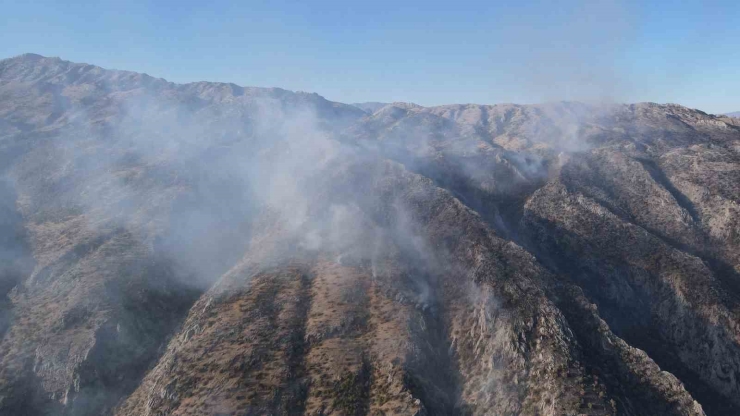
x=735, y=114
x=370, y=107
x=211, y=249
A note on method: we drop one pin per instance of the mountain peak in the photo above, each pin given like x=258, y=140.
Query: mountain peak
x=32, y=57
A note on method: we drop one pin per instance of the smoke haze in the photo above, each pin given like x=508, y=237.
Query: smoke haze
x=221, y=249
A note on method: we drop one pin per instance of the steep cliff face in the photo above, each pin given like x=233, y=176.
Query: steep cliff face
x=208, y=249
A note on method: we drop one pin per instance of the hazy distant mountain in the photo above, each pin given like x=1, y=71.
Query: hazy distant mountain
x=208, y=249
x=735, y=114
x=370, y=107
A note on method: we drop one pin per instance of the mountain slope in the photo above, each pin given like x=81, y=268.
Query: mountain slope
x=213, y=249
x=369, y=107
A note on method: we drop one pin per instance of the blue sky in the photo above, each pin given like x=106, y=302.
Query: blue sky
x=427, y=52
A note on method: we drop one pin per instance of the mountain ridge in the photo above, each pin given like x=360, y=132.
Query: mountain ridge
x=207, y=248
x=365, y=106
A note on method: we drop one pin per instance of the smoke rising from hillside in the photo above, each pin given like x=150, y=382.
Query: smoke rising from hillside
x=142, y=198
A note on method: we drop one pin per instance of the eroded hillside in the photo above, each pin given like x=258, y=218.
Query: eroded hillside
x=210, y=249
